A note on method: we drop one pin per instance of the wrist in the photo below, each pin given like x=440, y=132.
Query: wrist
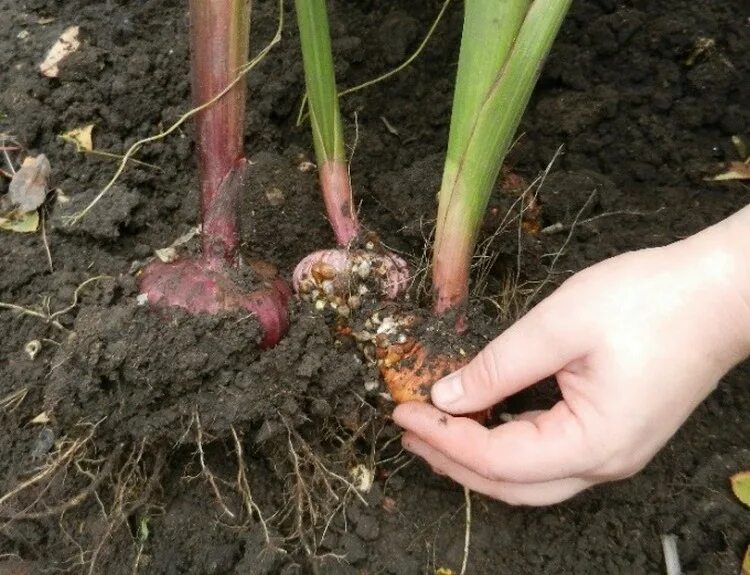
x=720, y=258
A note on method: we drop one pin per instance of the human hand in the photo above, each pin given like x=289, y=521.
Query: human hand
x=635, y=342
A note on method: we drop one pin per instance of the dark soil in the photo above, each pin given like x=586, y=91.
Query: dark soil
x=140, y=418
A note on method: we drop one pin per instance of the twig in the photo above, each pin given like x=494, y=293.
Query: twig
x=467, y=534
x=671, y=555
x=8, y=162
x=45, y=242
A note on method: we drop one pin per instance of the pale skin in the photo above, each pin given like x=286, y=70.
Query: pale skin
x=635, y=342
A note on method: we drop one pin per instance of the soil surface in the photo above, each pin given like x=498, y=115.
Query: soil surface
x=137, y=443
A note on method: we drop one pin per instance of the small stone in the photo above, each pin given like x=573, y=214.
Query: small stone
x=388, y=325
x=363, y=270
x=328, y=287
x=166, y=255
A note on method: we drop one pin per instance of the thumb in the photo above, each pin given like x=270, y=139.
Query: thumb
x=540, y=344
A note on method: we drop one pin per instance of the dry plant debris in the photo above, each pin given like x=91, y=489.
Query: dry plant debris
x=66, y=44
x=26, y=193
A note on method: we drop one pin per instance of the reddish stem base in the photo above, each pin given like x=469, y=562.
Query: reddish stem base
x=201, y=287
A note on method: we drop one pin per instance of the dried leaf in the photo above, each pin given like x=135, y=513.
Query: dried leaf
x=25, y=223
x=741, y=486
x=41, y=419
x=66, y=44
x=736, y=171
x=81, y=138
x=28, y=188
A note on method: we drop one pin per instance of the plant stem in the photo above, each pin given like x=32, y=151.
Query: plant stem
x=503, y=47
x=220, y=38
x=325, y=119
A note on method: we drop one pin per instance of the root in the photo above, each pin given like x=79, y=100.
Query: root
x=556, y=256
x=240, y=486
x=126, y=482
x=317, y=495
x=51, y=317
x=74, y=501
x=10, y=402
x=205, y=471
x=65, y=457
x=243, y=488
x=129, y=485
x=301, y=113
x=510, y=300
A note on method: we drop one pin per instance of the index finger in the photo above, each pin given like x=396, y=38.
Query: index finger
x=552, y=446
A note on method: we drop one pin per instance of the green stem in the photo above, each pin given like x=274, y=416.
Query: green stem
x=325, y=119
x=503, y=47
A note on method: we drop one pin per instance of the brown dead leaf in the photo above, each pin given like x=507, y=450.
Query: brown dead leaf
x=28, y=188
x=80, y=137
x=66, y=44
x=735, y=171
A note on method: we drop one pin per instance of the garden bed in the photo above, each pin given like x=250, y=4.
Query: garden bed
x=168, y=440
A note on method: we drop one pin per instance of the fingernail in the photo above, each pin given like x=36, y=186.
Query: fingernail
x=448, y=390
